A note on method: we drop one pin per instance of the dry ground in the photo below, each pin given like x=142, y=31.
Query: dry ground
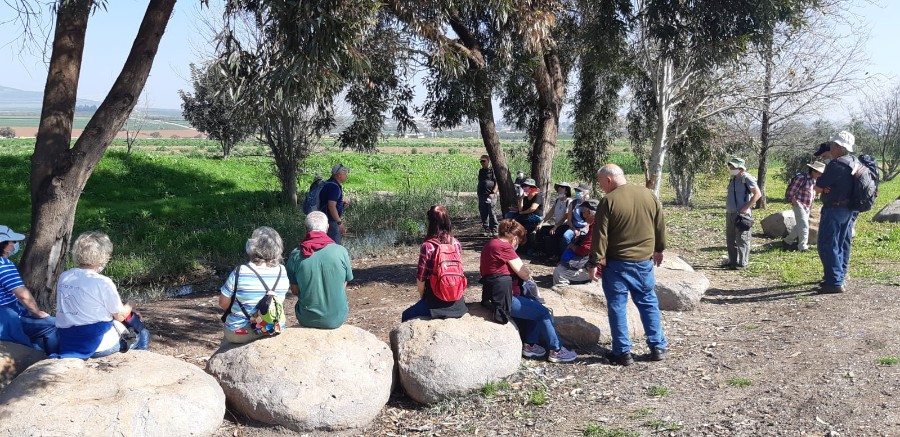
x=757, y=358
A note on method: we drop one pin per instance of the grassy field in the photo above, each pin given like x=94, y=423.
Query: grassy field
x=175, y=213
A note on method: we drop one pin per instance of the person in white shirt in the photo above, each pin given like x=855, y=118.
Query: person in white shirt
x=89, y=311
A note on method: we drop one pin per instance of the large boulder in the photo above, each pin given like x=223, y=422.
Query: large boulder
x=581, y=318
x=14, y=359
x=139, y=393
x=779, y=225
x=890, y=213
x=437, y=359
x=679, y=290
x=307, y=379
x=674, y=261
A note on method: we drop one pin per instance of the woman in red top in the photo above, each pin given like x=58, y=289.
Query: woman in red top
x=429, y=305
x=500, y=267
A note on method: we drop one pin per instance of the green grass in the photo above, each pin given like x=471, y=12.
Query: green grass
x=538, y=397
x=594, y=430
x=493, y=388
x=888, y=361
x=658, y=391
x=641, y=413
x=739, y=382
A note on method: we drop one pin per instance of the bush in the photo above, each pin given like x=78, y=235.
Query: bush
x=7, y=132
x=154, y=135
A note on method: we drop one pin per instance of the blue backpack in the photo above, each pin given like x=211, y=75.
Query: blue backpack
x=311, y=203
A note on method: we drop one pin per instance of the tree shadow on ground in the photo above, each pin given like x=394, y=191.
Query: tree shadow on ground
x=719, y=296
x=398, y=274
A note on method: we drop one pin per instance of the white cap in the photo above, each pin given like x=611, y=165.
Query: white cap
x=7, y=234
x=844, y=139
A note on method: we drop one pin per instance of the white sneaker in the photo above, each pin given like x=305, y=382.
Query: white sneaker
x=533, y=350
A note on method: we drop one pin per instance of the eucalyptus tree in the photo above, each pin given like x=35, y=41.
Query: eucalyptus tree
x=289, y=61
x=60, y=169
x=212, y=110
x=687, y=50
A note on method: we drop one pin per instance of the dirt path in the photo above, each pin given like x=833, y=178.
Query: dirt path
x=754, y=359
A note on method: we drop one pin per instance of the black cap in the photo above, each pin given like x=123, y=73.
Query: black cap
x=591, y=204
x=824, y=147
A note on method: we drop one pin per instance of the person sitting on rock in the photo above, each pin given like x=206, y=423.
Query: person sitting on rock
x=572, y=264
x=502, y=272
x=553, y=225
x=91, y=319
x=249, y=283
x=438, y=232
x=21, y=319
x=575, y=223
x=318, y=271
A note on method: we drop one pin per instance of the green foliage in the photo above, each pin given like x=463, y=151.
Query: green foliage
x=493, y=388
x=538, y=397
x=658, y=391
x=213, y=110
x=659, y=425
x=888, y=361
x=740, y=382
x=594, y=430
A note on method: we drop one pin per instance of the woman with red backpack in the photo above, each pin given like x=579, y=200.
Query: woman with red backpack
x=440, y=278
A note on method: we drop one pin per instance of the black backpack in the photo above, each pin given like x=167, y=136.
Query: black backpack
x=865, y=184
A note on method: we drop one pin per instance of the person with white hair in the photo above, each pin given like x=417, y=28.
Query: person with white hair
x=332, y=202
x=249, y=283
x=89, y=311
x=837, y=221
x=21, y=319
x=318, y=271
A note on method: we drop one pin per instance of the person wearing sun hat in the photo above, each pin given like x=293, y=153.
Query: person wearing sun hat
x=800, y=194
x=837, y=221
x=743, y=192
x=21, y=319
x=528, y=211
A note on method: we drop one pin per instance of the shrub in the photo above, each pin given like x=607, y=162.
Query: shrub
x=7, y=132
x=154, y=135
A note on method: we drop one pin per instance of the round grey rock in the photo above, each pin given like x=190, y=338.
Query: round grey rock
x=138, y=393
x=438, y=359
x=581, y=316
x=14, y=359
x=308, y=379
x=889, y=214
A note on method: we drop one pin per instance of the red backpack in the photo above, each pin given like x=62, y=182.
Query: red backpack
x=448, y=279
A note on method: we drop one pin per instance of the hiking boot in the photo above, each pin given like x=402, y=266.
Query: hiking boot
x=658, y=353
x=621, y=360
x=830, y=289
x=533, y=350
x=563, y=355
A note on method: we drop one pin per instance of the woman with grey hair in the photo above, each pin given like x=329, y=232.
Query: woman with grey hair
x=249, y=283
x=90, y=316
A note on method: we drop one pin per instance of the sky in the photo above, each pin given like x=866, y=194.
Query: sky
x=111, y=33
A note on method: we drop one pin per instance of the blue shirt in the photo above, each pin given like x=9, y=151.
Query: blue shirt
x=838, y=176
x=9, y=281
x=331, y=191
x=740, y=188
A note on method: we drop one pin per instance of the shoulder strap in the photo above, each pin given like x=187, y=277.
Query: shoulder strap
x=261, y=281
x=237, y=275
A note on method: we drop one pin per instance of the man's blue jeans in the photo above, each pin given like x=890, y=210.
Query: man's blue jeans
x=334, y=231
x=619, y=278
x=835, y=237
x=534, y=321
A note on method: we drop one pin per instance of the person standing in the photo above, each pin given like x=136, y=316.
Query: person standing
x=743, y=192
x=800, y=194
x=836, y=224
x=487, y=195
x=332, y=202
x=627, y=238
x=21, y=319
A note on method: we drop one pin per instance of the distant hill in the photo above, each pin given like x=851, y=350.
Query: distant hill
x=15, y=100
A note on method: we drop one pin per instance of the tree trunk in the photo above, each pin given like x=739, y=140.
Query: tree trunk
x=495, y=150
x=58, y=173
x=661, y=140
x=550, y=86
x=765, y=123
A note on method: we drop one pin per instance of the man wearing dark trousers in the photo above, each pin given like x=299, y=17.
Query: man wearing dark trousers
x=628, y=238
x=487, y=196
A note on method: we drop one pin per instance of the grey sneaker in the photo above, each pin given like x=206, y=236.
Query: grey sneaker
x=563, y=355
x=533, y=350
